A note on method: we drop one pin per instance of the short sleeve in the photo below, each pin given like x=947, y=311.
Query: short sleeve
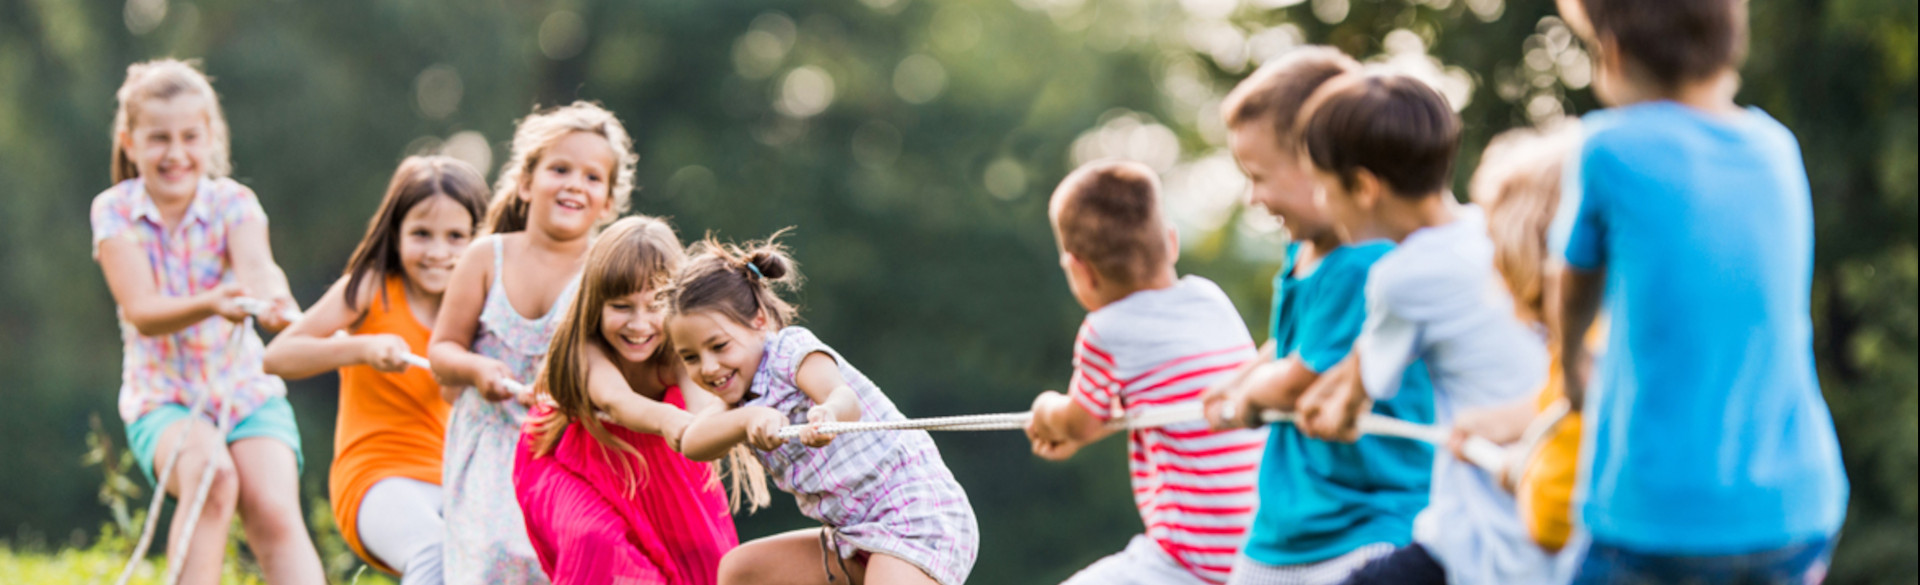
x=241, y=206
x=1094, y=384
x=1331, y=320
x=1387, y=345
x=790, y=347
x=110, y=219
x=1578, y=230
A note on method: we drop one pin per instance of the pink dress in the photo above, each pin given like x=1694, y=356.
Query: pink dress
x=586, y=528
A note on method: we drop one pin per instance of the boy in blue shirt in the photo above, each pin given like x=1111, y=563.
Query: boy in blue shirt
x=1325, y=508
x=1711, y=452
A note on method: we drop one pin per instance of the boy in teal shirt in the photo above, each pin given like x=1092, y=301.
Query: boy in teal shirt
x=1326, y=508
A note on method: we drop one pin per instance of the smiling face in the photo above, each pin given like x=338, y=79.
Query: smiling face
x=569, y=189
x=633, y=325
x=170, y=141
x=1277, y=180
x=432, y=235
x=721, y=355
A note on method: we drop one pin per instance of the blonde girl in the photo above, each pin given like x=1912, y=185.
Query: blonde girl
x=891, y=511
x=387, y=443
x=570, y=171
x=1518, y=184
x=180, y=243
x=616, y=503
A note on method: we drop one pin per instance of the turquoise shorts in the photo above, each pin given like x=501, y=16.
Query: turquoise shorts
x=274, y=419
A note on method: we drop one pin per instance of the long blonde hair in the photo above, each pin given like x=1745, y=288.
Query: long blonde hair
x=1518, y=184
x=162, y=79
x=538, y=132
x=635, y=254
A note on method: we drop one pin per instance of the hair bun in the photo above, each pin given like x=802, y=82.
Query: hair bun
x=769, y=263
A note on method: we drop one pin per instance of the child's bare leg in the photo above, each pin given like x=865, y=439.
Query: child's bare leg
x=207, y=546
x=792, y=558
x=888, y=569
x=270, y=511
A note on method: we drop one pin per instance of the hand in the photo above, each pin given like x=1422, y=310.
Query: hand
x=384, y=352
x=763, y=428
x=1228, y=409
x=1037, y=428
x=280, y=314
x=226, y=301
x=1052, y=451
x=1330, y=410
x=495, y=382
x=820, y=413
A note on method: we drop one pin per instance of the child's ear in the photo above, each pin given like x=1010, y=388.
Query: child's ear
x=1367, y=189
x=1173, y=245
x=1078, y=271
x=760, y=320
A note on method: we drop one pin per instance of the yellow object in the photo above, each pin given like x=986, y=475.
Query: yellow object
x=1545, y=490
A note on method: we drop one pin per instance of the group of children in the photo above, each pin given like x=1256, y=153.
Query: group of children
x=593, y=380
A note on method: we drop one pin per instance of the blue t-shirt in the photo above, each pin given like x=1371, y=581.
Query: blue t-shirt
x=1318, y=499
x=1707, y=430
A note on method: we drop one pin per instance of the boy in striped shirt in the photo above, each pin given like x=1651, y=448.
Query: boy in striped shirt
x=1151, y=340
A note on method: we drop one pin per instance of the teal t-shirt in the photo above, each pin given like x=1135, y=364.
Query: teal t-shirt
x=1706, y=430
x=1319, y=499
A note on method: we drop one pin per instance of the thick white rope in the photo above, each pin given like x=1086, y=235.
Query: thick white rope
x=1480, y=452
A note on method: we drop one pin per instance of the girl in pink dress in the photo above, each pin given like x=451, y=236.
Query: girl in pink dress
x=617, y=503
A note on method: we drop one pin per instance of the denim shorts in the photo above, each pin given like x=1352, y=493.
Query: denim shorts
x=1799, y=564
x=273, y=419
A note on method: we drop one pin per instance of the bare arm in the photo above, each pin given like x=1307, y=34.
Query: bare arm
x=712, y=433
x=1580, y=292
x=455, y=366
x=252, y=257
x=819, y=377
x=611, y=393
x=151, y=312
x=1330, y=409
x=1061, y=426
x=310, y=347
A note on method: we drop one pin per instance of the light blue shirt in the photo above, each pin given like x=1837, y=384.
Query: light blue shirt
x=1319, y=499
x=1435, y=299
x=1706, y=429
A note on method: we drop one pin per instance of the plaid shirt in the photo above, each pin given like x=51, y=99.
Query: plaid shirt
x=193, y=258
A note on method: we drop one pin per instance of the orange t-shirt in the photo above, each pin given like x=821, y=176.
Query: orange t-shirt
x=390, y=425
x=1545, y=493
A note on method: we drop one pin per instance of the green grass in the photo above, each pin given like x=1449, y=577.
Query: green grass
x=101, y=563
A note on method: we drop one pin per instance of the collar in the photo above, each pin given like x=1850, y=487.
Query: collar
x=198, y=210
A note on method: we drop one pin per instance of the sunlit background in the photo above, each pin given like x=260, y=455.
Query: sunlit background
x=912, y=143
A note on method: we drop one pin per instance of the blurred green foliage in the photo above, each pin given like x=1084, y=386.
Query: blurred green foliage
x=913, y=143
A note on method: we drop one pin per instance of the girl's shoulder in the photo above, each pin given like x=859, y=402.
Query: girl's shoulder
x=119, y=198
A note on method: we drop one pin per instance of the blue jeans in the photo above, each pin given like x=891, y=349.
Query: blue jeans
x=1799, y=564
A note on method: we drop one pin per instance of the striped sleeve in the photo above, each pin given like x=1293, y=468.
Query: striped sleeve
x=1094, y=383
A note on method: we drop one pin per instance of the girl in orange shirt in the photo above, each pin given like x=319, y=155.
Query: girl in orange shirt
x=385, y=483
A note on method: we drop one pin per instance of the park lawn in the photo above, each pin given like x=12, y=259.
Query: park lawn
x=95, y=565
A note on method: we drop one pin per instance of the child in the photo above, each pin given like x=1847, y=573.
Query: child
x=1326, y=508
x=1150, y=340
x=385, y=479
x=1382, y=147
x=607, y=504
x=890, y=510
x=1518, y=184
x=180, y=243
x=571, y=170
x=1712, y=453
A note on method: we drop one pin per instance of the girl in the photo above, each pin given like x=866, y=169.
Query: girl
x=892, y=512
x=385, y=480
x=180, y=244
x=1518, y=183
x=571, y=170
x=607, y=504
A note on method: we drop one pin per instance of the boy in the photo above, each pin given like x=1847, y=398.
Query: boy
x=1326, y=508
x=1711, y=452
x=1382, y=149
x=1151, y=340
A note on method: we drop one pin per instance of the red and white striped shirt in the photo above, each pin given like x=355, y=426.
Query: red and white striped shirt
x=1157, y=348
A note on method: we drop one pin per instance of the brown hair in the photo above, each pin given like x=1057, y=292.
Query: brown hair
x=418, y=179
x=1107, y=214
x=1675, y=41
x=1276, y=92
x=1518, y=184
x=541, y=130
x=738, y=281
x=635, y=254
x=1391, y=125
x=163, y=79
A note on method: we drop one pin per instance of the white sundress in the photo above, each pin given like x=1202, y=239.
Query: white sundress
x=486, y=541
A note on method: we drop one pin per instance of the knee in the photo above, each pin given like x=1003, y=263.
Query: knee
x=736, y=569
x=223, y=489
x=270, y=520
